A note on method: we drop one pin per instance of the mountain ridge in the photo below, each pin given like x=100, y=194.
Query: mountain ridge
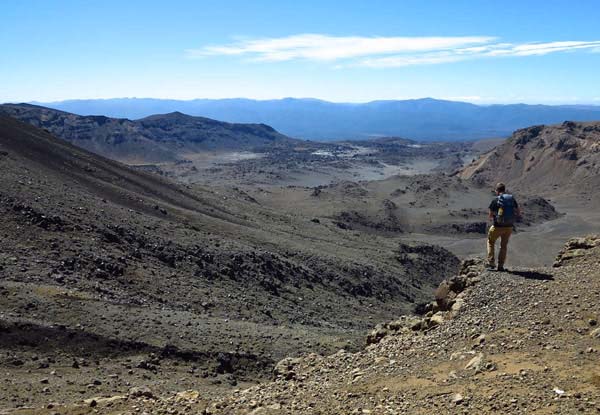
x=426, y=119
x=157, y=138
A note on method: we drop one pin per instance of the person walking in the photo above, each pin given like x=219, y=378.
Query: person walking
x=503, y=211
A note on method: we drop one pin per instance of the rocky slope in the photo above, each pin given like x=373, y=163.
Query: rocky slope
x=158, y=138
x=523, y=341
x=549, y=160
x=112, y=278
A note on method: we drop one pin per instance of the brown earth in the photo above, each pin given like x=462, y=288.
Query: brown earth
x=558, y=161
x=113, y=278
x=522, y=341
x=433, y=204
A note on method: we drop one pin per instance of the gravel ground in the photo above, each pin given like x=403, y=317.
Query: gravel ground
x=522, y=341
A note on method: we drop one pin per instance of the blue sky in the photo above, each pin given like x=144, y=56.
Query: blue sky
x=354, y=51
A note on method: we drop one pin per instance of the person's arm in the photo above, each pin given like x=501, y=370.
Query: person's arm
x=491, y=209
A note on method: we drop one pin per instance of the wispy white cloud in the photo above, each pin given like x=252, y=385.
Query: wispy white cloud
x=382, y=52
x=528, y=49
x=330, y=48
x=485, y=51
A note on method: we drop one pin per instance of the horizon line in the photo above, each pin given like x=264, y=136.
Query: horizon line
x=483, y=102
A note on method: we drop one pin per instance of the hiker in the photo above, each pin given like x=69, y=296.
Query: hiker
x=504, y=211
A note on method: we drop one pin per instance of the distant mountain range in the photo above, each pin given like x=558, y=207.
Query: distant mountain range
x=421, y=119
x=157, y=138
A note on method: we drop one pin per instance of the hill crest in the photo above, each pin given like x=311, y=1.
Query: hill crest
x=549, y=160
x=157, y=138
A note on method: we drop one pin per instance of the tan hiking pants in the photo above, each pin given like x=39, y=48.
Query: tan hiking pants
x=493, y=234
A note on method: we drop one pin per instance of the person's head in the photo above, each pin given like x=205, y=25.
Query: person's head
x=500, y=188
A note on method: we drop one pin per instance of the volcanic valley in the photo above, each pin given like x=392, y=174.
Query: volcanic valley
x=143, y=258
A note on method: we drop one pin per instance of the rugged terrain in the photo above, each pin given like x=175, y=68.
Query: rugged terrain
x=433, y=204
x=115, y=279
x=522, y=341
x=112, y=278
x=558, y=161
x=204, y=151
x=314, y=164
x=157, y=138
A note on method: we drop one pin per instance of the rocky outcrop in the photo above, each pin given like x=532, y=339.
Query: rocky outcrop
x=285, y=368
x=449, y=299
x=575, y=248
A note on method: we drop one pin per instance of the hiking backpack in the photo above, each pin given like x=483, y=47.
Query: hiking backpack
x=506, y=215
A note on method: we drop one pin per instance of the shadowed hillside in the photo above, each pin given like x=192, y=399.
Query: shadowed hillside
x=153, y=281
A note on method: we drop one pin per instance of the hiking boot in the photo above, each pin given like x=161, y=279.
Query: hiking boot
x=501, y=268
x=490, y=267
